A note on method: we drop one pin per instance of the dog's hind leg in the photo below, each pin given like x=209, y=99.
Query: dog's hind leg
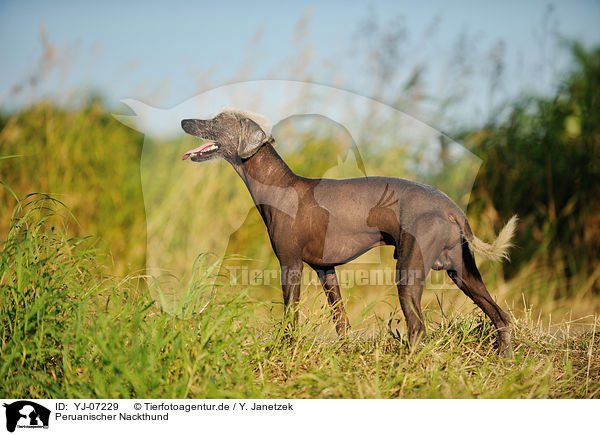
x=416, y=250
x=468, y=279
x=410, y=278
x=329, y=281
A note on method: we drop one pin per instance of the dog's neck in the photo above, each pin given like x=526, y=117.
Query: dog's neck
x=268, y=178
x=265, y=167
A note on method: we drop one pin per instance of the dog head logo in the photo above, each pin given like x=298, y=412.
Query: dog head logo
x=26, y=414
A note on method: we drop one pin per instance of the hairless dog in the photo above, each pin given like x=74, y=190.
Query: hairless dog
x=326, y=223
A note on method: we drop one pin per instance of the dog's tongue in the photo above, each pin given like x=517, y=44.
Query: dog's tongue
x=200, y=149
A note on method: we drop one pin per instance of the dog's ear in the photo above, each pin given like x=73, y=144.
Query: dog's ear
x=251, y=138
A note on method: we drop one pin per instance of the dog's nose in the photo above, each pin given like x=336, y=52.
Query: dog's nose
x=191, y=126
x=186, y=123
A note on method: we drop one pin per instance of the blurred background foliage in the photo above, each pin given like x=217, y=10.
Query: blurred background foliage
x=540, y=160
x=86, y=159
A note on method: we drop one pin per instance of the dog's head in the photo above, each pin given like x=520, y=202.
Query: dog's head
x=231, y=134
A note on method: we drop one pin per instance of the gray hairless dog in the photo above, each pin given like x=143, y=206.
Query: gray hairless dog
x=326, y=223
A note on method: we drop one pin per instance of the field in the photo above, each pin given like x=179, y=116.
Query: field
x=81, y=316
x=68, y=332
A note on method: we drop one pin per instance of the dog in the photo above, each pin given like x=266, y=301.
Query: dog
x=326, y=223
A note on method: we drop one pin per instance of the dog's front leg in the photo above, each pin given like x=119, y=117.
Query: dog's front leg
x=329, y=281
x=291, y=277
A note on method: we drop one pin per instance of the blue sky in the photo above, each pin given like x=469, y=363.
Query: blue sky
x=165, y=52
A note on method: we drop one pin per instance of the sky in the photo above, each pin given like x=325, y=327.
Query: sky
x=163, y=53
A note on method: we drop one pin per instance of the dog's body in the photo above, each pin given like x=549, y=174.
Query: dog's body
x=326, y=223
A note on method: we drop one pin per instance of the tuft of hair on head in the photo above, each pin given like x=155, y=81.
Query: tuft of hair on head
x=261, y=120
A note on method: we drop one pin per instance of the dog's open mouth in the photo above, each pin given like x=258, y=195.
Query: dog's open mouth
x=202, y=150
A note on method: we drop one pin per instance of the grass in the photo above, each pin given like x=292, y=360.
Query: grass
x=69, y=330
x=88, y=160
x=82, y=317
x=79, y=317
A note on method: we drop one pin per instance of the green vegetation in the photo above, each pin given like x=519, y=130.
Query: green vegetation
x=67, y=332
x=543, y=163
x=88, y=160
x=80, y=318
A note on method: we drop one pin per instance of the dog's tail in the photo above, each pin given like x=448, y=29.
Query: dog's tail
x=497, y=250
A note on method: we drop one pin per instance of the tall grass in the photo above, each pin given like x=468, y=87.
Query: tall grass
x=80, y=318
x=542, y=161
x=67, y=330
x=89, y=161
x=539, y=163
x=92, y=162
